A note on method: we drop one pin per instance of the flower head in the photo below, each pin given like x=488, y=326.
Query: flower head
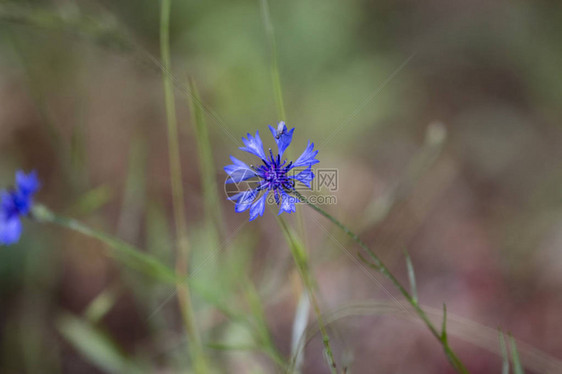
x=15, y=203
x=274, y=175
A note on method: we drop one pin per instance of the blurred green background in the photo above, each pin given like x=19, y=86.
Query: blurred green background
x=442, y=118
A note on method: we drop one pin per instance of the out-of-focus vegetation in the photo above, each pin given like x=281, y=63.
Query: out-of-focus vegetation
x=443, y=122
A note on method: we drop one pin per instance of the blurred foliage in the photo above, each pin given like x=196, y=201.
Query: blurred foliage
x=479, y=211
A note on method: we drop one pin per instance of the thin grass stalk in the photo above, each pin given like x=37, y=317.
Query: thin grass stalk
x=213, y=213
x=503, y=350
x=378, y=265
x=182, y=254
x=99, y=33
x=214, y=220
x=275, y=76
x=148, y=265
x=279, y=102
x=263, y=334
x=300, y=324
x=301, y=260
x=123, y=252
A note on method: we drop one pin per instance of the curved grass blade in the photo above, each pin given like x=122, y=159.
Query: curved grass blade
x=505, y=356
x=183, y=248
x=376, y=263
x=517, y=367
x=121, y=251
x=411, y=277
x=96, y=346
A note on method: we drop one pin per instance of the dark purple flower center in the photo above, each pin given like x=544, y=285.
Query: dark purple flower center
x=273, y=174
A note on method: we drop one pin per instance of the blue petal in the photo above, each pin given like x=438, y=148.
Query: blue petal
x=27, y=184
x=6, y=202
x=22, y=202
x=8, y=206
x=235, y=197
x=254, y=145
x=305, y=177
x=308, y=157
x=287, y=203
x=10, y=230
x=238, y=172
x=282, y=137
x=245, y=200
x=258, y=207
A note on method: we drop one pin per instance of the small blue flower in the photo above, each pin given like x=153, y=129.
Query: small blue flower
x=15, y=203
x=274, y=175
x=27, y=184
x=282, y=137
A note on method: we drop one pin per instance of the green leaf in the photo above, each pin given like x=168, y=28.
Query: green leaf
x=92, y=200
x=275, y=76
x=134, y=195
x=102, y=304
x=98, y=31
x=517, y=367
x=118, y=249
x=411, y=277
x=505, y=356
x=94, y=345
x=226, y=347
x=211, y=201
x=444, y=325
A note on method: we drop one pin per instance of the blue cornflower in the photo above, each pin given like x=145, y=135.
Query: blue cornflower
x=15, y=203
x=274, y=175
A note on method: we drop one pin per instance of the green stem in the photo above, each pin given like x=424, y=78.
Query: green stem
x=183, y=249
x=212, y=208
x=120, y=250
x=301, y=260
x=279, y=102
x=378, y=265
x=138, y=260
x=275, y=76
